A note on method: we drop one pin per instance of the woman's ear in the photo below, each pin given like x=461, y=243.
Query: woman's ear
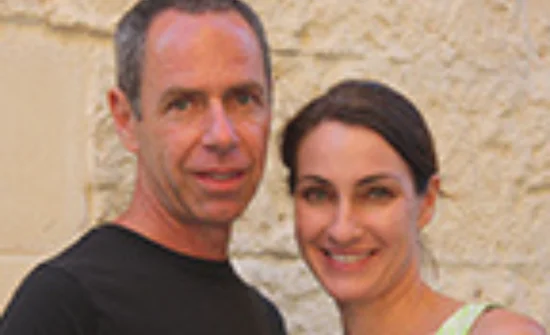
x=428, y=201
x=124, y=118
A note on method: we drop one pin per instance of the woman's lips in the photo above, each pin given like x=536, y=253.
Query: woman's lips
x=349, y=261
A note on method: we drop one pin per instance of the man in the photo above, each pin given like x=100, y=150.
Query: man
x=193, y=105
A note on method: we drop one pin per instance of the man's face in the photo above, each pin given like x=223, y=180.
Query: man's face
x=201, y=143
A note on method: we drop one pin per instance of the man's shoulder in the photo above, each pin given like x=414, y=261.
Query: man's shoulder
x=269, y=310
x=260, y=297
x=98, y=245
x=51, y=299
x=61, y=293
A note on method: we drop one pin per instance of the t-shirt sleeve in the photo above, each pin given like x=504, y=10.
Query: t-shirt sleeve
x=276, y=319
x=49, y=302
x=268, y=312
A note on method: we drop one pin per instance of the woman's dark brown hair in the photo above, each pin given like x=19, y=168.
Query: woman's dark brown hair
x=372, y=105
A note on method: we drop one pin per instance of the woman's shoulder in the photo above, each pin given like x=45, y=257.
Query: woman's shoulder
x=500, y=321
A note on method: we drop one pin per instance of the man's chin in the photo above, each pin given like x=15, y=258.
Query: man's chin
x=223, y=216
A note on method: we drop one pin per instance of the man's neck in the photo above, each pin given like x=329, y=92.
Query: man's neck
x=149, y=218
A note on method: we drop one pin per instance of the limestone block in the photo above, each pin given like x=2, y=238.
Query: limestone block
x=305, y=306
x=537, y=27
x=540, y=311
x=97, y=15
x=44, y=140
x=32, y=8
x=12, y=269
x=499, y=190
x=314, y=314
x=300, y=77
x=112, y=167
x=257, y=233
x=403, y=29
x=333, y=27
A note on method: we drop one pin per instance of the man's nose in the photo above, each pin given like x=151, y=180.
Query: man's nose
x=220, y=135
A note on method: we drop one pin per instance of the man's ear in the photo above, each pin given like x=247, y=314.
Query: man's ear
x=428, y=201
x=123, y=117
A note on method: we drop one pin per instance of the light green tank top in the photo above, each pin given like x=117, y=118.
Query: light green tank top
x=462, y=320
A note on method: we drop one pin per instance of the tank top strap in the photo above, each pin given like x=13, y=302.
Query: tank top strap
x=463, y=319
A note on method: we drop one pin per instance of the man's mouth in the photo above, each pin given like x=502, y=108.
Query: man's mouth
x=221, y=180
x=219, y=176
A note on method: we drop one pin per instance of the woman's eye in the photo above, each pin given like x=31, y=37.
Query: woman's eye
x=379, y=193
x=315, y=195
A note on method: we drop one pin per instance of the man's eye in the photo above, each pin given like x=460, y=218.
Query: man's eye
x=244, y=98
x=180, y=104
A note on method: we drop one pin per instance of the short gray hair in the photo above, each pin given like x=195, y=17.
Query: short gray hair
x=131, y=32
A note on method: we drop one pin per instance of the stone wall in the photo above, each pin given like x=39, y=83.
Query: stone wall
x=479, y=71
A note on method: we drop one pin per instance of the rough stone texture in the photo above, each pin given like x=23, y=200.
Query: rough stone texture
x=44, y=168
x=43, y=140
x=112, y=167
x=478, y=70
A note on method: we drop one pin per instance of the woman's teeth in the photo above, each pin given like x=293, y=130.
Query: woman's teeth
x=350, y=258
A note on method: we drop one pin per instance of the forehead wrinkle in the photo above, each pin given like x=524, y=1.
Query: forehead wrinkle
x=171, y=27
x=179, y=42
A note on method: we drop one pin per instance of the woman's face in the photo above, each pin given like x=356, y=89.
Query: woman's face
x=357, y=212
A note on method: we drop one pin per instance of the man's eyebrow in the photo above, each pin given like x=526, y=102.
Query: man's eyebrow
x=175, y=91
x=246, y=86
x=172, y=92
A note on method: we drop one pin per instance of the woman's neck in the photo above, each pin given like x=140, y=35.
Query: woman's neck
x=411, y=308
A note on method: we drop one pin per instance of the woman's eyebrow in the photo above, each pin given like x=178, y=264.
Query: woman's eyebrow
x=374, y=178
x=313, y=178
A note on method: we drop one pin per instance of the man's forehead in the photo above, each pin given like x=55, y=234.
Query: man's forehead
x=174, y=26
x=212, y=51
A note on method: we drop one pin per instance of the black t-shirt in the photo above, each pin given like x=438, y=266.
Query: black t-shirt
x=115, y=282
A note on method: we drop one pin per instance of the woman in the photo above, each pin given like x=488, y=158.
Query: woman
x=364, y=177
